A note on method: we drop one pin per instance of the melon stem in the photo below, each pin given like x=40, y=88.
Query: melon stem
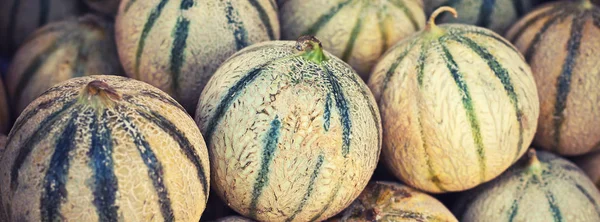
x=311, y=49
x=98, y=94
x=431, y=27
x=534, y=164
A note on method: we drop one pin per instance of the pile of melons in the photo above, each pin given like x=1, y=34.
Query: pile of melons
x=300, y=110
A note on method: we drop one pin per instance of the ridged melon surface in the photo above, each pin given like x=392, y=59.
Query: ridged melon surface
x=590, y=164
x=106, y=7
x=388, y=201
x=293, y=132
x=497, y=15
x=59, y=51
x=20, y=18
x=357, y=31
x=561, y=41
x=458, y=105
x=177, y=45
x=548, y=189
x=104, y=148
x=4, y=111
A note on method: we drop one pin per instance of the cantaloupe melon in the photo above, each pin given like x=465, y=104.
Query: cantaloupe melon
x=590, y=164
x=293, y=133
x=104, y=148
x=4, y=111
x=59, y=51
x=177, y=45
x=497, y=15
x=357, y=31
x=538, y=188
x=561, y=41
x=387, y=201
x=20, y=18
x=458, y=105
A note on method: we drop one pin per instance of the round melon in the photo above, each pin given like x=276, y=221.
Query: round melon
x=106, y=7
x=293, y=132
x=387, y=201
x=458, y=105
x=20, y=18
x=4, y=111
x=104, y=148
x=497, y=15
x=541, y=187
x=59, y=51
x=356, y=31
x=561, y=41
x=233, y=219
x=177, y=45
x=590, y=164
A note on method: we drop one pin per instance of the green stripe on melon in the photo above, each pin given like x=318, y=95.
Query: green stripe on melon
x=557, y=40
x=59, y=51
x=538, y=188
x=307, y=127
x=20, y=18
x=178, y=44
x=465, y=99
x=104, y=148
x=357, y=31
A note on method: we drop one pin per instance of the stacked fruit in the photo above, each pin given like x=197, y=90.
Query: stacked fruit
x=299, y=110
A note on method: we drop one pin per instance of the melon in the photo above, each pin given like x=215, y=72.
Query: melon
x=59, y=51
x=356, y=31
x=590, y=164
x=497, y=15
x=177, y=45
x=233, y=219
x=293, y=132
x=458, y=105
x=20, y=18
x=561, y=42
x=541, y=187
x=388, y=201
x=104, y=148
x=4, y=111
x=106, y=7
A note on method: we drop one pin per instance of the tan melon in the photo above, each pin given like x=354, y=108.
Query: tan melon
x=293, y=132
x=357, y=31
x=104, y=148
x=542, y=187
x=590, y=164
x=177, y=45
x=561, y=41
x=59, y=51
x=4, y=111
x=458, y=105
x=20, y=18
x=387, y=201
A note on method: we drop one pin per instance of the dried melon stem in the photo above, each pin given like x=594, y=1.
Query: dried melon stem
x=534, y=165
x=99, y=95
x=311, y=49
x=432, y=30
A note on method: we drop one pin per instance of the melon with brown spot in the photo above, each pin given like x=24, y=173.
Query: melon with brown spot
x=387, y=201
x=357, y=31
x=458, y=105
x=104, y=148
x=590, y=164
x=20, y=18
x=59, y=51
x=177, y=45
x=497, y=15
x=541, y=187
x=4, y=111
x=293, y=132
x=561, y=42
x=106, y=7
